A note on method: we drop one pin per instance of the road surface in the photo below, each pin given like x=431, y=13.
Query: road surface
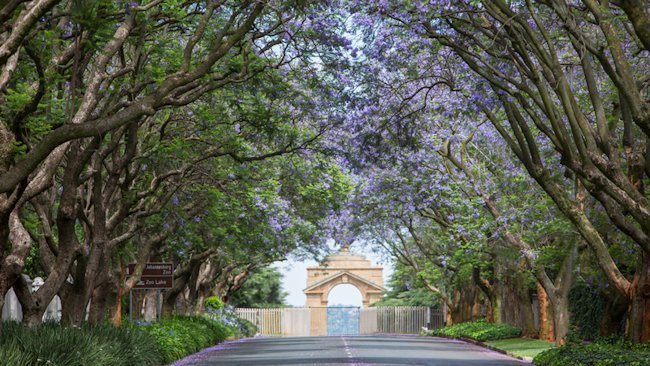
x=349, y=350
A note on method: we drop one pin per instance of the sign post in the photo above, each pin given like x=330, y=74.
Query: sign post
x=156, y=276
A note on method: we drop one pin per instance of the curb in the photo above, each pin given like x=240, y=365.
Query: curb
x=484, y=345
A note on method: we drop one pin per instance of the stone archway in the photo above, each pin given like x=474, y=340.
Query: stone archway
x=344, y=268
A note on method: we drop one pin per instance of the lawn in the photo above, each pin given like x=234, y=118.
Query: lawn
x=522, y=347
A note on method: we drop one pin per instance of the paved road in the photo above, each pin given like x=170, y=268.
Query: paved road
x=349, y=350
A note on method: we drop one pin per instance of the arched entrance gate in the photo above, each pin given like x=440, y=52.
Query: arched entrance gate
x=341, y=268
x=317, y=319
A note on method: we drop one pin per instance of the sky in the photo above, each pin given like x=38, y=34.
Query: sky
x=295, y=280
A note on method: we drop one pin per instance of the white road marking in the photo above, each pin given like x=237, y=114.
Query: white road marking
x=348, y=350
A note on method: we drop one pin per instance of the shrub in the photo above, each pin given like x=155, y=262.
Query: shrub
x=478, y=330
x=55, y=344
x=133, y=344
x=213, y=303
x=227, y=316
x=180, y=336
x=600, y=353
x=246, y=328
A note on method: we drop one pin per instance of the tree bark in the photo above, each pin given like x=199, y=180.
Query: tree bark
x=101, y=297
x=638, y=327
x=616, y=307
x=494, y=305
x=546, y=331
x=116, y=316
x=561, y=319
x=13, y=263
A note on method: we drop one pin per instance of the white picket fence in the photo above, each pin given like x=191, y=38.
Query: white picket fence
x=402, y=319
x=368, y=321
x=299, y=321
x=278, y=322
x=296, y=322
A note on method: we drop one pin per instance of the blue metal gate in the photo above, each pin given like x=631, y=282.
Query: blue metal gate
x=342, y=320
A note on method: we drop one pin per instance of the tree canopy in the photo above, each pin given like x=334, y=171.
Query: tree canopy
x=495, y=149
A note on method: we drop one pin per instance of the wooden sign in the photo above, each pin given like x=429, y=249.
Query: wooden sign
x=154, y=275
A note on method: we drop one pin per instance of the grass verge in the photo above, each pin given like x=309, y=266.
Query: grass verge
x=522, y=347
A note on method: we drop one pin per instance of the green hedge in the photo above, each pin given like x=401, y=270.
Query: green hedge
x=180, y=336
x=54, y=344
x=133, y=344
x=601, y=353
x=478, y=330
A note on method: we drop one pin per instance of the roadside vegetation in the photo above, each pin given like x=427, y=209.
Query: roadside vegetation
x=606, y=352
x=180, y=336
x=56, y=344
x=500, y=336
x=478, y=330
x=135, y=343
x=612, y=351
x=138, y=343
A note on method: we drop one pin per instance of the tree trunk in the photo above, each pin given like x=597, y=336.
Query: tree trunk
x=516, y=306
x=614, y=314
x=98, y=304
x=546, y=331
x=489, y=314
x=561, y=319
x=460, y=310
x=116, y=316
x=73, y=309
x=6, y=281
x=168, y=305
x=527, y=322
x=73, y=301
x=638, y=327
x=488, y=289
x=85, y=279
x=170, y=296
x=33, y=317
x=12, y=263
x=478, y=307
x=31, y=306
x=495, y=304
x=449, y=319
